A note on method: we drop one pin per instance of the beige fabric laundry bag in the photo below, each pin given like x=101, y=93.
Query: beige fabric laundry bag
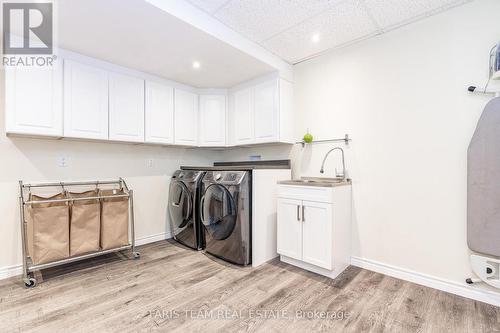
x=114, y=220
x=48, y=229
x=85, y=223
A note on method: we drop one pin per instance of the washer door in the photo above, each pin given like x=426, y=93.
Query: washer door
x=218, y=212
x=181, y=205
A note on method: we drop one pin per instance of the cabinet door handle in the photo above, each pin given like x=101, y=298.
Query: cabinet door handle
x=303, y=213
x=298, y=213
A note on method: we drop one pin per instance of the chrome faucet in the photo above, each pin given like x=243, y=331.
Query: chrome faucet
x=339, y=175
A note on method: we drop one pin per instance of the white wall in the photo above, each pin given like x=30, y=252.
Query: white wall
x=402, y=97
x=37, y=160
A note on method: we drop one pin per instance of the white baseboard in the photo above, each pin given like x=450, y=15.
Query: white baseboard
x=10, y=271
x=474, y=292
x=153, y=238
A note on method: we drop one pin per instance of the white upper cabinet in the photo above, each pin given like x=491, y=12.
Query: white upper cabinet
x=87, y=98
x=266, y=112
x=243, y=117
x=85, y=101
x=286, y=112
x=262, y=113
x=212, y=120
x=34, y=100
x=126, y=108
x=159, y=113
x=186, y=118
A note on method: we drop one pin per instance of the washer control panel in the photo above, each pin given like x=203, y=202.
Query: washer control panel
x=225, y=177
x=187, y=175
x=231, y=177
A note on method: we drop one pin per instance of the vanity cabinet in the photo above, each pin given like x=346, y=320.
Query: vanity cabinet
x=314, y=227
x=290, y=225
x=305, y=231
x=33, y=101
x=317, y=233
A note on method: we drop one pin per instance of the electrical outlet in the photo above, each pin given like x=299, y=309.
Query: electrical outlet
x=62, y=162
x=150, y=163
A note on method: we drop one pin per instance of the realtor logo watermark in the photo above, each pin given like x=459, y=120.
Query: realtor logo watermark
x=28, y=33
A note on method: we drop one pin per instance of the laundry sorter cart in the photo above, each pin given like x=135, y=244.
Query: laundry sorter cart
x=97, y=218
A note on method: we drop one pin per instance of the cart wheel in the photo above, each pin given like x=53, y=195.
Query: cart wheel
x=136, y=255
x=30, y=283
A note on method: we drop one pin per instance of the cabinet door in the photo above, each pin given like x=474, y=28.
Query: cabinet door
x=85, y=101
x=126, y=108
x=186, y=118
x=159, y=113
x=212, y=120
x=317, y=234
x=289, y=228
x=266, y=112
x=33, y=100
x=243, y=116
x=286, y=112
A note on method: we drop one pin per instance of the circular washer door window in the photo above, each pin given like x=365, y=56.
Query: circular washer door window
x=218, y=212
x=181, y=205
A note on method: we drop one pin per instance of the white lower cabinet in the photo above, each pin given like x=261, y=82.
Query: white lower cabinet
x=289, y=228
x=126, y=108
x=315, y=235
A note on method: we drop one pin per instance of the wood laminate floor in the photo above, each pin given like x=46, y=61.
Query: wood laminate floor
x=173, y=289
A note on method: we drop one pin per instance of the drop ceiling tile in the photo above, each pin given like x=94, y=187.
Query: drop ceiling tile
x=262, y=19
x=389, y=13
x=344, y=23
x=210, y=6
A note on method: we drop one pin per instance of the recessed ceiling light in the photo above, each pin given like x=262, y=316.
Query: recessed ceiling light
x=315, y=38
x=196, y=65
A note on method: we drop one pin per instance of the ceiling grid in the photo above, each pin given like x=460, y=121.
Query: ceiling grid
x=286, y=27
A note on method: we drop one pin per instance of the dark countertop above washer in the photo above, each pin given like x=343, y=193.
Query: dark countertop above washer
x=243, y=165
